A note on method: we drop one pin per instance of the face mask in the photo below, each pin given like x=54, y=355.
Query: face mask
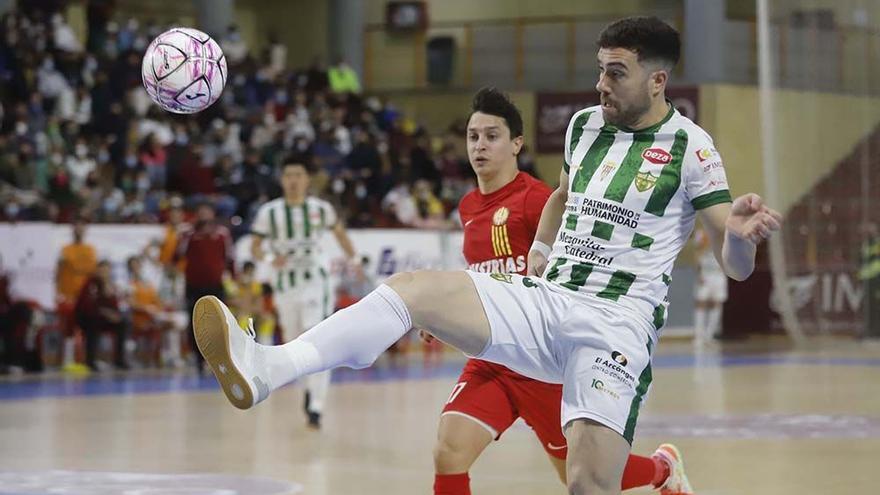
x=103, y=156
x=143, y=184
x=181, y=139
x=12, y=210
x=338, y=186
x=360, y=191
x=81, y=150
x=131, y=161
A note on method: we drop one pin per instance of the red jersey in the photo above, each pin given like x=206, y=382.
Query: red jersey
x=498, y=231
x=499, y=227
x=208, y=252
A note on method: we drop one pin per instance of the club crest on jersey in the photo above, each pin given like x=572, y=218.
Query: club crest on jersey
x=500, y=216
x=645, y=181
x=500, y=239
x=657, y=156
x=607, y=168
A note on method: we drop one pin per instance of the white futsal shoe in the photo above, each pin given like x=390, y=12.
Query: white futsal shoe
x=677, y=483
x=230, y=351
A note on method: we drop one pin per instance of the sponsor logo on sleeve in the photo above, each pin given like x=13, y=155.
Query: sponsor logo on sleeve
x=704, y=154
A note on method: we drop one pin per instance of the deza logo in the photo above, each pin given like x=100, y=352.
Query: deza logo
x=657, y=156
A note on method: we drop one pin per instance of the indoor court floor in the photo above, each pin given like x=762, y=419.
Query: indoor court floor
x=750, y=418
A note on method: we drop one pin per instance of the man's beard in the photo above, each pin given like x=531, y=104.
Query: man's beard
x=629, y=116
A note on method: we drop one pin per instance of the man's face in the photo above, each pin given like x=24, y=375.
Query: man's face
x=205, y=213
x=489, y=145
x=624, y=86
x=295, y=180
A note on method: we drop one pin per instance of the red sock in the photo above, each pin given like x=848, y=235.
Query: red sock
x=452, y=484
x=644, y=471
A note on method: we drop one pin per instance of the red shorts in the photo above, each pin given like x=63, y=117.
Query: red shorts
x=495, y=396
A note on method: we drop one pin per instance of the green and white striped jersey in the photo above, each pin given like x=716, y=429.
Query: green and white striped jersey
x=632, y=201
x=296, y=231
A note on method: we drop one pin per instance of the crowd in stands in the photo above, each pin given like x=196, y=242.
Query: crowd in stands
x=80, y=135
x=80, y=141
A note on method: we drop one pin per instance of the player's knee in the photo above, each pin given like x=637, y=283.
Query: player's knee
x=415, y=288
x=582, y=480
x=400, y=281
x=451, y=456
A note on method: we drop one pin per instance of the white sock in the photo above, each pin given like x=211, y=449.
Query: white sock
x=172, y=349
x=318, y=386
x=69, y=348
x=353, y=337
x=713, y=322
x=700, y=316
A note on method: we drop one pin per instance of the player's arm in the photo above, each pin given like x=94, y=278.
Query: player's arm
x=260, y=229
x=736, y=229
x=548, y=226
x=257, y=252
x=345, y=242
x=59, y=267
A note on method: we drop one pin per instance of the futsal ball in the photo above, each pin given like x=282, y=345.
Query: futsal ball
x=184, y=70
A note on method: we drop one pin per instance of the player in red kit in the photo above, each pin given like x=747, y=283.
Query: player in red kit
x=500, y=219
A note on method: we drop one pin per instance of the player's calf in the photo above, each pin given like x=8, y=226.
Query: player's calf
x=596, y=458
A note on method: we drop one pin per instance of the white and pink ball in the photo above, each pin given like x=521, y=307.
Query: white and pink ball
x=184, y=70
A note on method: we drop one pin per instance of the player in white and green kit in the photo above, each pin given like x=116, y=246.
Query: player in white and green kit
x=636, y=176
x=295, y=226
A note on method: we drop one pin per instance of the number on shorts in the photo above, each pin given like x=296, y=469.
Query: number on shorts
x=455, y=391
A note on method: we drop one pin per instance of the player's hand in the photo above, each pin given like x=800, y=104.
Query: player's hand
x=426, y=337
x=750, y=219
x=279, y=261
x=537, y=262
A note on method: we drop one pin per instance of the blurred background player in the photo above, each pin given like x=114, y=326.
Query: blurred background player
x=500, y=219
x=710, y=291
x=76, y=264
x=294, y=226
x=172, y=266
x=246, y=295
x=206, y=248
x=150, y=318
x=99, y=310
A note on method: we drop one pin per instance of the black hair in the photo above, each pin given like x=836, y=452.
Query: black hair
x=649, y=37
x=248, y=265
x=297, y=159
x=491, y=101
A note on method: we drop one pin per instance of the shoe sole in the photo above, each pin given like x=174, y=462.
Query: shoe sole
x=212, y=339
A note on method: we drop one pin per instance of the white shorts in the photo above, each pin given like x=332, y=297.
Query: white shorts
x=303, y=307
x=711, y=287
x=598, y=350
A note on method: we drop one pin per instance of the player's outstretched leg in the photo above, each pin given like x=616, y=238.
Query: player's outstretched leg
x=445, y=302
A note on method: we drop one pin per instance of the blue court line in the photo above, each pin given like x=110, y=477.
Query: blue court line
x=134, y=383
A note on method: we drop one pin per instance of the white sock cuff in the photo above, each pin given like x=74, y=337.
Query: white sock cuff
x=397, y=305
